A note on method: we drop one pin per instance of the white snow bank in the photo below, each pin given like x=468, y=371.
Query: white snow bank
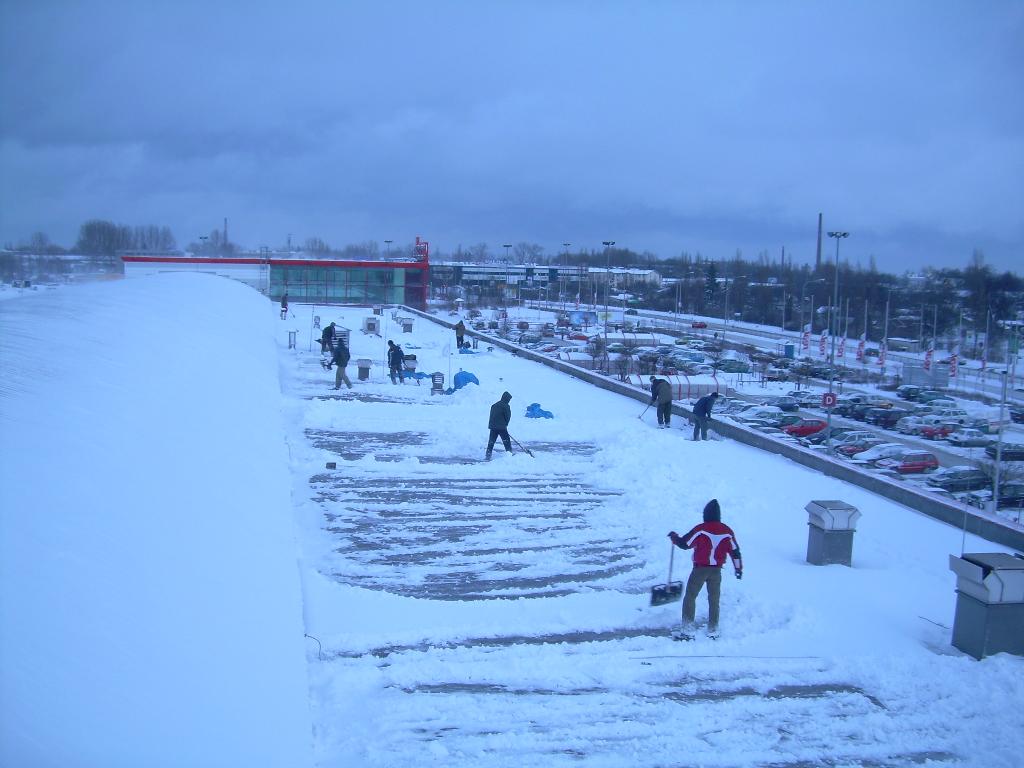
x=150, y=607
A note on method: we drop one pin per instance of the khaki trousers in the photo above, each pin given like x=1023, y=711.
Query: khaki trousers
x=700, y=576
x=341, y=376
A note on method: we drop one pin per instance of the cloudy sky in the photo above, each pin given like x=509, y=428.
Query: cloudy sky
x=665, y=126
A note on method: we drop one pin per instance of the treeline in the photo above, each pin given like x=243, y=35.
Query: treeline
x=100, y=238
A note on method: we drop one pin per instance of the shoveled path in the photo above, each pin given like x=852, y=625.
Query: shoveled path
x=420, y=522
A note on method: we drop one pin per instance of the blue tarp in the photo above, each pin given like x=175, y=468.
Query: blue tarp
x=462, y=378
x=534, y=411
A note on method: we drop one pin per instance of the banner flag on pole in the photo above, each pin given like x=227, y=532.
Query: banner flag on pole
x=881, y=353
x=928, y=357
x=842, y=347
x=860, y=349
x=807, y=337
x=821, y=344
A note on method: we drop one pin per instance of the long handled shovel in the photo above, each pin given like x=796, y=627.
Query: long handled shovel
x=670, y=591
x=641, y=416
x=522, y=447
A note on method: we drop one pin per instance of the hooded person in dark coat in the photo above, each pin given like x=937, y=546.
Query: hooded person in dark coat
x=340, y=358
x=327, y=339
x=501, y=415
x=702, y=415
x=711, y=541
x=661, y=394
x=396, y=362
x=460, y=334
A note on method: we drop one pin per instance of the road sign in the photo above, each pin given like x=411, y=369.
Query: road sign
x=828, y=400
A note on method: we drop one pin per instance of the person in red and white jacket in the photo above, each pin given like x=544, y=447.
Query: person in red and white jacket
x=711, y=541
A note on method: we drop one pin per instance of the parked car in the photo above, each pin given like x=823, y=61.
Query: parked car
x=930, y=395
x=805, y=427
x=784, y=403
x=860, y=411
x=758, y=412
x=881, y=451
x=936, y=431
x=1011, y=496
x=1017, y=415
x=854, y=434
x=883, y=417
x=961, y=478
x=908, y=425
x=908, y=392
x=698, y=324
x=852, y=448
x=630, y=311
x=912, y=463
x=1011, y=451
x=819, y=438
x=807, y=399
x=968, y=438
x=787, y=419
x=734, y=366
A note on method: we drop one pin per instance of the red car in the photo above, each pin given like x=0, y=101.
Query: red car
x=851, y=449
x=578, y=337
x=698, y=324
x=804, y=427
x=935, y=431
x=911, y=463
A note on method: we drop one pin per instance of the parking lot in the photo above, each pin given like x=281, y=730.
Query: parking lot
x=910, y=435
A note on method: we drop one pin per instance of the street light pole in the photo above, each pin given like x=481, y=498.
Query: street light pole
x=835, y=300
x=607, y=282
x=561, y=282
x=387, y=244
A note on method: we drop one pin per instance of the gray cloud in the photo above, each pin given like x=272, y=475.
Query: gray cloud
x=665, y=126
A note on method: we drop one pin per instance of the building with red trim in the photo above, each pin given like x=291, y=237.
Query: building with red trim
x=309, y=280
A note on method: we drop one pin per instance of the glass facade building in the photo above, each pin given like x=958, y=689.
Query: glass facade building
x=320, y=281
x=352, y=282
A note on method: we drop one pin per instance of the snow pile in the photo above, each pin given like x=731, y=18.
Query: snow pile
x=149, y=594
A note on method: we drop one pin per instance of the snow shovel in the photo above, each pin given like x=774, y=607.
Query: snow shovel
x=522, y=447
x=641, y=416
x=670, y=591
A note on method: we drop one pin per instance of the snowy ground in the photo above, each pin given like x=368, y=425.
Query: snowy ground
x=157, y=581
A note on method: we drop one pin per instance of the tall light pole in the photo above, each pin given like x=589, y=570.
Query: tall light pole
x=561, y=282
x=387, y=245
x=835, y=300
x=607, y=282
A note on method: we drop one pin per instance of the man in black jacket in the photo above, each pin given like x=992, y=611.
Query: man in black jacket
x=501, y=415
x=661, y=394
x=702, y=415
x=340, y=359
x=327, y=339
x=396, y=362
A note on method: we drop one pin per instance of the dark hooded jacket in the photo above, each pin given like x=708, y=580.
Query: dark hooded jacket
x=704, y=405
x=341, y=355
x=661, y=392
x=501, y=413
x=396, y=357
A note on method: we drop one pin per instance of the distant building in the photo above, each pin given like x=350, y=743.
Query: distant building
x=306, y=280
